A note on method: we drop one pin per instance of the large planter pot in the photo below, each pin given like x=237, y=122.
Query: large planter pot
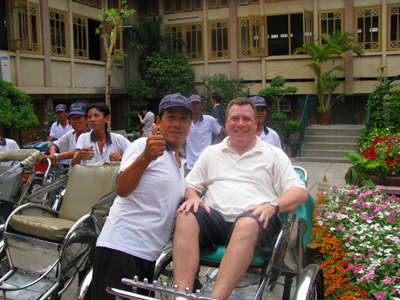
x=325, y=118
x=291, y=148
x=390, y=180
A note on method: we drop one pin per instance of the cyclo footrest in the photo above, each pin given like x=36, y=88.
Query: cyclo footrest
x=156, y=288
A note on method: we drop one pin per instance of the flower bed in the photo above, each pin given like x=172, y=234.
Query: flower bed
x=386, y=148
x=359, y=233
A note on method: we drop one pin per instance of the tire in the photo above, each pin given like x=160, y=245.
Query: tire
x=164, y=274
x=317, y=290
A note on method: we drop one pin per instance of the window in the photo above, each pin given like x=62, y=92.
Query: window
x=219, y=39
x=80, y=37
x=274, y=35
x=149, y=8
x=394, y=27
x=84, y=35
x=330, y=21
x=218, y=3
x=24, y=26
x=94, y=3
x=192, y=36
x=284, y=105
x=57, y=33
x=252, y=37
x=173, y=6
x=247, y=2
x=288, y=32
x=368, y=32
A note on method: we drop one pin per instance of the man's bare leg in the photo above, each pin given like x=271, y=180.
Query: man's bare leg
x=237, y=258
x=186, y=250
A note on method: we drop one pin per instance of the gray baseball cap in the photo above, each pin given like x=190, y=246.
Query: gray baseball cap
x=258, y=101
x=174, y=100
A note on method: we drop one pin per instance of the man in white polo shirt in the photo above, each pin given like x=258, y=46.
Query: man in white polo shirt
x=64, y=148
x=62, y=126
x=5, y=145
x=265, y=133
x=247, y=182
x=99, y=145
x=200, y=134
x=150, y=186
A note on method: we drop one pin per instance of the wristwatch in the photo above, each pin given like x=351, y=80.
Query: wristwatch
x=276, y=205
x=56, y=156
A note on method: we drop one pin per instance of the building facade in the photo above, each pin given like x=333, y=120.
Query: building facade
x=54, y=55
x=255, y=40
x=49, y=49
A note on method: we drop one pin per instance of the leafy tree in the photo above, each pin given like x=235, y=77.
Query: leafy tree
x=138, y=90
x=16, y=110
x=331, y=48
x=385, y=105
x=168, y=74
x=277, y=91
x=228, y=88
x=111, y=29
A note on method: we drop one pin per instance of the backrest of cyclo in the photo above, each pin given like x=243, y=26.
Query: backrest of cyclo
x=9, y=189
x=85, y=187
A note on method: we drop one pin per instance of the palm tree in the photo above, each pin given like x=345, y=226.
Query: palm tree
x=331, y=48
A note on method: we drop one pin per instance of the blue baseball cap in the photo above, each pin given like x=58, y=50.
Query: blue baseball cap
x=195, y=98
x=77, y=109
x=61, y=107
x=174, y=100
x=258, y=101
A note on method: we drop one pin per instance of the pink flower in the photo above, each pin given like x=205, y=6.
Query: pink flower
x=380, y=295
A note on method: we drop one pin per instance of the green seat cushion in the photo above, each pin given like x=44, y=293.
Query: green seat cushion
x=53, y=229
x=259, y=258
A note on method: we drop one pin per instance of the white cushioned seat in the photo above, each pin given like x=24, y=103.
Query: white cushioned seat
x=85, y=187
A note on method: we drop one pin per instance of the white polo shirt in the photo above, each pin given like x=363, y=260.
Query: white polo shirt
x=66, y=143
x=148, y=121
x=114, y=143
x=271, y=137
x=8, y=144
x=57, y=131
x=235, y=182
x=199, y=138
x=140, y=224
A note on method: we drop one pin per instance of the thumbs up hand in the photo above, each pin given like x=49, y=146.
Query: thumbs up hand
x=155, y=144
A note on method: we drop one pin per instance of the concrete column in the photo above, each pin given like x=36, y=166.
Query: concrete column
x=45, y=22
x=349, y=26
x=205, y=33
x=233, y=38
x=384, y=30
x=71, y=44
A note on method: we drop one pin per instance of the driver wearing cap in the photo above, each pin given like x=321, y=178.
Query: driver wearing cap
x=150, y=186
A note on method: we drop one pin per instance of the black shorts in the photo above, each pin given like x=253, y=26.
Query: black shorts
x=110, y=266
x=215, y=231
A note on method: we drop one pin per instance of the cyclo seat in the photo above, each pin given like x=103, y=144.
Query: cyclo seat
x=85, y=186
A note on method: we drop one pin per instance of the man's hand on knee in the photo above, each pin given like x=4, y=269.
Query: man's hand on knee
x=194, y=202
x=265, y=211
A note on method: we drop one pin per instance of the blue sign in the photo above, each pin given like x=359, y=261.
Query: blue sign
x=5, y=58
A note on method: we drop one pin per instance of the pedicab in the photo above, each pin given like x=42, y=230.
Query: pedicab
x=284, y=274
x=46, y=249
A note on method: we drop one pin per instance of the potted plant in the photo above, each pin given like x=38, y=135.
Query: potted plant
x=286, y=126
x=330, y=49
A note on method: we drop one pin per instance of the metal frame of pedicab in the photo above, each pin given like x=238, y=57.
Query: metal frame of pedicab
x=309, y=278
x=52, y=265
